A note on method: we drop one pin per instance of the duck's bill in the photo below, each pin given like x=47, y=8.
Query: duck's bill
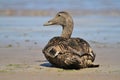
x=48, y=23
x=51, y=22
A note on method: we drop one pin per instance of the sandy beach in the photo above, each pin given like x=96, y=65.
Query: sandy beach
x=30, y=64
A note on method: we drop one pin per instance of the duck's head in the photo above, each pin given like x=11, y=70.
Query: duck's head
x=62, y=18
x=65, y=20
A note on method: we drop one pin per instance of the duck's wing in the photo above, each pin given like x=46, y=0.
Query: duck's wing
x=80, y=46
x=55, y=45
x=77, y=46
x=58, y=50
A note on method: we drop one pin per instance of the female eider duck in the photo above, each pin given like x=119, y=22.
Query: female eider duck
x=66, y=52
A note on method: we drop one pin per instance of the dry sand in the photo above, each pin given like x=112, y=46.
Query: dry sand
x=30, y=64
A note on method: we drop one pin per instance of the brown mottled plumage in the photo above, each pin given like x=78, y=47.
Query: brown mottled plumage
x=67, y=52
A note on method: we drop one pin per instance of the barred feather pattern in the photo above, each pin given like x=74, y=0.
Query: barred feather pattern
x=69, y=53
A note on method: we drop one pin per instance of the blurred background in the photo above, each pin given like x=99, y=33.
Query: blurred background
x=21, y=21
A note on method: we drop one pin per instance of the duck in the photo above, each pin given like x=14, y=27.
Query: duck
x=65, y=51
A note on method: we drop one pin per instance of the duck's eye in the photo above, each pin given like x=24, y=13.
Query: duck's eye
x=59, y=15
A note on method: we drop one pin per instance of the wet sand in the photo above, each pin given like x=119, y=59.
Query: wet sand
x=49, y=12
x=17, y=63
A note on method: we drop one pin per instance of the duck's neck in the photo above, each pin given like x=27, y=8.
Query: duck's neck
x=67, y=30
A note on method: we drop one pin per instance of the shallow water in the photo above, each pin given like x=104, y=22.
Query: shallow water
x=17, y=31
x=30, y=30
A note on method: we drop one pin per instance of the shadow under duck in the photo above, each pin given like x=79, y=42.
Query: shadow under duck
x=67, y=52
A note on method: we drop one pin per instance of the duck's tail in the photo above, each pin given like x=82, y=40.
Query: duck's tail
x=93, y=65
